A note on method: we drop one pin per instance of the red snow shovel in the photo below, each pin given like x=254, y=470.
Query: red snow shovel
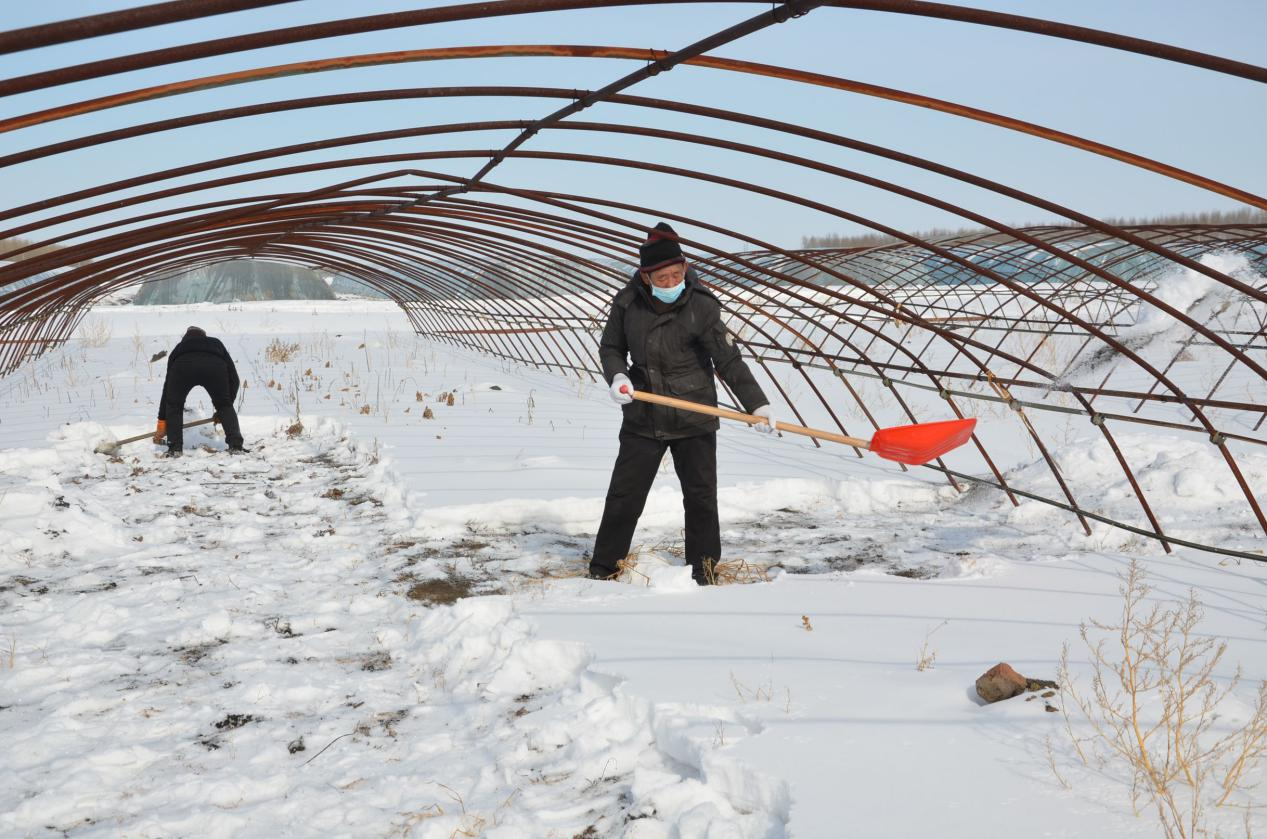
x=910, y=444
x=112, y=446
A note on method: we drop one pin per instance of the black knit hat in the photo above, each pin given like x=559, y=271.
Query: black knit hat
x=660, y=249
x=196, y=330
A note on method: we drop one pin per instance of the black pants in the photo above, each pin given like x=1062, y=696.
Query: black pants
x=212, y=375
x=695, y=460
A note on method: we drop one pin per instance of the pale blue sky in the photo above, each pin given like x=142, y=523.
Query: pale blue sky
x=1210, y=123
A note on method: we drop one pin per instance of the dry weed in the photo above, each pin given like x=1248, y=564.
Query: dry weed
x=927, y=657
x=469, y=824
x=279, y=352
x=138, y=344
x=736, y=572
x=627, y=568
x=94, y=334
x=1153, y=705
x=763, y=692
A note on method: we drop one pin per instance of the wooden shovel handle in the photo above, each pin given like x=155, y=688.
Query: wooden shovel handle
x=751, y=419
x=151, y=433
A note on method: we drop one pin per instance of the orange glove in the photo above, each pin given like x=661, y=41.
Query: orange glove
x=160, y=431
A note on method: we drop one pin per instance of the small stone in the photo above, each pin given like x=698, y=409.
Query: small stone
x=1000, y=682
x=1050, y=708
x=296, y=745
x=1049, y=694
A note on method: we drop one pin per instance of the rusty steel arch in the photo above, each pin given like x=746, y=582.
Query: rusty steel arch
x=1035, y=324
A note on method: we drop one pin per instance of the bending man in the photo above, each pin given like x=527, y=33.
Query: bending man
x=670, y=326
x=198, y=361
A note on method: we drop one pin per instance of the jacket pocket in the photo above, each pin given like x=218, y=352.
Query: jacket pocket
x=695, y=386
x=694, y=383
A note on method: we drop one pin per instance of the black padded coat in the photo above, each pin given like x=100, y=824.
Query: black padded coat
x=673, y=351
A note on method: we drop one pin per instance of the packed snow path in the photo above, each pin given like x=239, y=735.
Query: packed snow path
x=232, y=643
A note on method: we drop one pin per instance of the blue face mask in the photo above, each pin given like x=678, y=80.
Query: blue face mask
x=670, y=294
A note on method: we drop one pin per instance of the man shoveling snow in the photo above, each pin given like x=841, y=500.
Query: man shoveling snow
x=198, y=361
x=670, y=325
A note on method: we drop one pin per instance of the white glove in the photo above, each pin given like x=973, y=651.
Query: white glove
x=621, y=390
x=770, y=416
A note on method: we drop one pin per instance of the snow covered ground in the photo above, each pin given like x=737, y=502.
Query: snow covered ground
x=374, y=623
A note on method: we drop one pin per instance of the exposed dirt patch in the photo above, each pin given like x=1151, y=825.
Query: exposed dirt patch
x=914, y=573
x=381, y=660
x=281, y=627
x=195, y=653
x=232, y=721
x=442, y=591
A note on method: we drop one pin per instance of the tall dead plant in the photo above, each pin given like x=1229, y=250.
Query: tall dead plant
x=94, y=333
x=1152, y=707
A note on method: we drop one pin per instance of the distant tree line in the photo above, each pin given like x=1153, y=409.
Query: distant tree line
x=872, y=240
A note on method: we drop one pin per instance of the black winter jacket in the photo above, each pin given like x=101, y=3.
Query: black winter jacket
x=209, y=346
x=673, y=353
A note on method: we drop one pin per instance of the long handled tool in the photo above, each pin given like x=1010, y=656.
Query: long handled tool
x=911, y=444
x=112, y=446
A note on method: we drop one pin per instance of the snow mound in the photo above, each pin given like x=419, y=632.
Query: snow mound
x=1188, y=483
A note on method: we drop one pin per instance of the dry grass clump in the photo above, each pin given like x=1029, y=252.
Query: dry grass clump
x=627, y=568
x=1153, y=705
x=731, y=572
x=279, y=351
x=94, y=334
